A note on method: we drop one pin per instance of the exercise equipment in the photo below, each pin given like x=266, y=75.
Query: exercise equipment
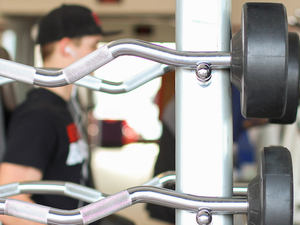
x=273, y=186
x=275, y=173
x=292, y=102
x=258, y=61
x=274, y=178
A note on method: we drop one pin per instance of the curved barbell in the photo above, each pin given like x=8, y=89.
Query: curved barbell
x=107, y=53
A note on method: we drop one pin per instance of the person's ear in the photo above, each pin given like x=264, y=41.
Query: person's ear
x=69, y=50
x=64, y=48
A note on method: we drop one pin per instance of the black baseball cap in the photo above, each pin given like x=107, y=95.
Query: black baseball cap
x=69, y=21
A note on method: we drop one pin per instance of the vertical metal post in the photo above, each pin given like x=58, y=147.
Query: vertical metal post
x=203, y=114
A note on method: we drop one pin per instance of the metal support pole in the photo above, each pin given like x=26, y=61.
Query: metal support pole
x=203, y=114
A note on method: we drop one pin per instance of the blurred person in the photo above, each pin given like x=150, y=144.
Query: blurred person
x=43, y=140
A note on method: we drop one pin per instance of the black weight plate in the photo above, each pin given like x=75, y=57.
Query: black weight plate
x=259, y=60
x=290, y=114
x=270, y=193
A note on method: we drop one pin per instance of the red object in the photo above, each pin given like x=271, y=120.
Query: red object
x=72, y=133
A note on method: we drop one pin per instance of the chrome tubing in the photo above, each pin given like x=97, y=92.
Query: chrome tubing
x=47, y=215
x=162, y=180
x=172, y=199
x=130, y=84
x=217, y=60
x=107, y=53
x=85, y=193
x=101, y=85
x=168, y=178
x=72, y=190
x=114, y=203
x=54, y=188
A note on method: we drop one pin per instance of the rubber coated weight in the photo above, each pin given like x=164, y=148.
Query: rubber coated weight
x=259, y=60
x=270, y=193
x=290, y=114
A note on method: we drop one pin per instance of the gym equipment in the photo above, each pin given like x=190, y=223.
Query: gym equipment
x=272, y=186
x=274, y=178
x=88, y=194
x=259, y=60
x=214, y=100
x=262, y=42
x=292, y=102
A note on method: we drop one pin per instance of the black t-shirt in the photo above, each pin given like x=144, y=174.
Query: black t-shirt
x=42, y=134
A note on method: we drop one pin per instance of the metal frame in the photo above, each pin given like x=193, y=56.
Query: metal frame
x=203, y=114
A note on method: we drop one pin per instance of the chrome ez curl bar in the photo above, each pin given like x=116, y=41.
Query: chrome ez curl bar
x=114, y=203
x=97, y=84
x=87, y=194
x=273, y=159
x=107, y=53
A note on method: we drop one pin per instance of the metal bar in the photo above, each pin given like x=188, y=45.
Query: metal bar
x=128, y=85
x=88, y=194
x=203, y=114
x=114, y=203
x=169, y=198
x=186, y=59
x=107, y=53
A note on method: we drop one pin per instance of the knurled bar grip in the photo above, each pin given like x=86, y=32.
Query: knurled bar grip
x=105, y=207
x=25, y=210
x=88, y=64
x=17, y=71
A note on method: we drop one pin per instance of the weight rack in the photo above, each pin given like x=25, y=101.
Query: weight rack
x=203, y=116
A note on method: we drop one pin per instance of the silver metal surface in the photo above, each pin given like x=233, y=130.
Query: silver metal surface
x=203, y=72
x=203, y=114
x=98, y=84
x=2, y=206
x=107, y=53
x=11, y=189
x=114, y=203
x=240, y=189
x=60, y=188
x=49, y=78
x=186, y=59
x=173, y=199
x=162, y=179
x=204, y=217
x=56, y=216
x=136, y=81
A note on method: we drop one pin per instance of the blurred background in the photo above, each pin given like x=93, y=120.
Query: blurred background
x=125, y=129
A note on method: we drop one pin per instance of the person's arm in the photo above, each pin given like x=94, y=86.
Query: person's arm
x=10, y=173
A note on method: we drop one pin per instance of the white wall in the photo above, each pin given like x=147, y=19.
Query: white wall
x=125, y=7
x=40, y=7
